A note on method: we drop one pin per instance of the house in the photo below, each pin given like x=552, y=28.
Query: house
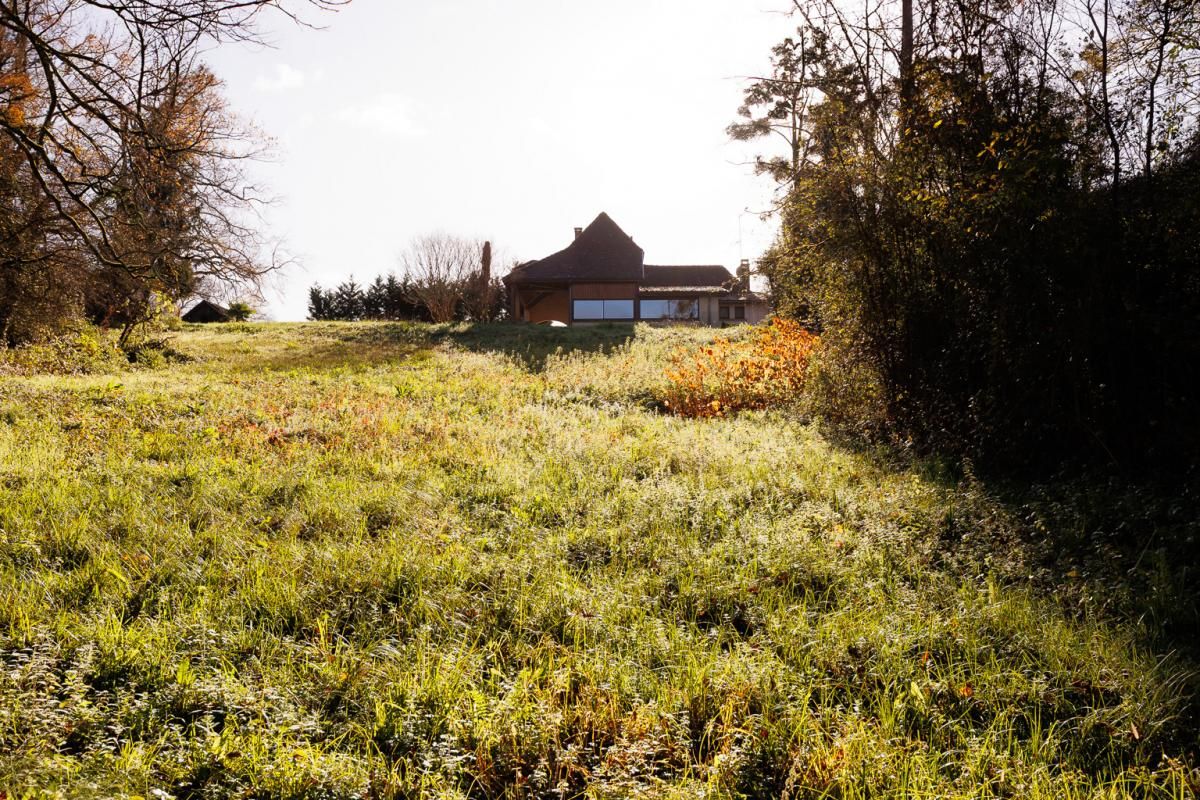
x=204, y=311
x=602, y=276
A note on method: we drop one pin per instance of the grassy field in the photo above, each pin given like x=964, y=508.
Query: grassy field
x=381, y=560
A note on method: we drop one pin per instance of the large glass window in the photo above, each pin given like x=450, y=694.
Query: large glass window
x=670, y=309
x=603, y=309
x=589, y=309
x=618, y=309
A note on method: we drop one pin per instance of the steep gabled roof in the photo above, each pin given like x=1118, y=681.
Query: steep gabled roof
x=602, y=252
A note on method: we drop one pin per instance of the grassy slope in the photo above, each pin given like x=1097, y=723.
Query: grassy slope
x=375, y=560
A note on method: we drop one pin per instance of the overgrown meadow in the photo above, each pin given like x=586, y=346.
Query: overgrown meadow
x=383, y=560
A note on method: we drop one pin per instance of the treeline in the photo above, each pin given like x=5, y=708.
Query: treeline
x=446, y=278
x=121, y=185
x=388, y=298
x=992, y=213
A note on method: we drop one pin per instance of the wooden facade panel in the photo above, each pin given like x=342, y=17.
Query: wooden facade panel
x=548, y=306
x=604, y=291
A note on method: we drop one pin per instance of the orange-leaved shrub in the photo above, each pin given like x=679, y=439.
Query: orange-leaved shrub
x=766, y=369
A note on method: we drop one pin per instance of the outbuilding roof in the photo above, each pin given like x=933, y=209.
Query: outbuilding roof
x=206, y=311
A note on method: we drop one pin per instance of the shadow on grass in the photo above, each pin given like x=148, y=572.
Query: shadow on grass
x=1126, y=547
x=317, y=346
x=532, y=345
x=1118, y=549
x=328, y=356
x=1123, y=547
x=323, y=345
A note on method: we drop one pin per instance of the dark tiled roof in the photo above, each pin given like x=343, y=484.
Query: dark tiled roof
x=709, y=275
x=603, y=252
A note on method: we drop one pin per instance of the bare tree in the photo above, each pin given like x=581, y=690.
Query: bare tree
x=122, y=136
x=441, y=268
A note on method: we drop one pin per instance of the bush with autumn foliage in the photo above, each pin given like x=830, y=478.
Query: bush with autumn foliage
x=768, y=368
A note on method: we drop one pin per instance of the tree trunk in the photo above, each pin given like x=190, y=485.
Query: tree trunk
x=906, y=64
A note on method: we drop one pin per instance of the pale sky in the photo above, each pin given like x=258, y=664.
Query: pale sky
x=512, y=120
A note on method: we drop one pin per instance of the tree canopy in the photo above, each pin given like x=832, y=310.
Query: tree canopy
x=122, y=166
x=1000, y=256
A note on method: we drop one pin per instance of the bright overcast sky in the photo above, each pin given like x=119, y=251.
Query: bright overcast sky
x=513, y=120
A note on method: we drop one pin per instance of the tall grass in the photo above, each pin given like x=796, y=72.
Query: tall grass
x=352, y=560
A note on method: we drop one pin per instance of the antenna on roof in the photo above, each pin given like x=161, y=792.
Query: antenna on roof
x=745, y=211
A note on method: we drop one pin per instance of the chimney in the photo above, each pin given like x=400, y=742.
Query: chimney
x=577, y=232
x=485, y=266
x=743, y=275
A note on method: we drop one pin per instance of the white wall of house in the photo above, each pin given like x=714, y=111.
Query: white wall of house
x=757, y=312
